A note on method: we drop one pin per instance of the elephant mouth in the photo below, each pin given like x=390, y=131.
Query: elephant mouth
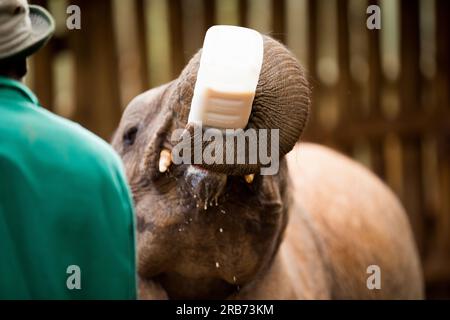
x=204, y=185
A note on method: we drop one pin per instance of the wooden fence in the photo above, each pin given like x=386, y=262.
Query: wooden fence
x=381, y=96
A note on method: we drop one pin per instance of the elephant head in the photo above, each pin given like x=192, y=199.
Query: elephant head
x=207, y=230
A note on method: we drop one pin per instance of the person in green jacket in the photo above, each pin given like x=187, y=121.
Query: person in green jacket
x=66, y=215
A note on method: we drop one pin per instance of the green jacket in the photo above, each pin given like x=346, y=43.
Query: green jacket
x=64, y=202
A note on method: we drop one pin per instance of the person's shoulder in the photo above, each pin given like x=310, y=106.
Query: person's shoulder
x=80, y=141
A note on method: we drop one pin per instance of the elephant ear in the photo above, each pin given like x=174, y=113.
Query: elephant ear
x=282, y=101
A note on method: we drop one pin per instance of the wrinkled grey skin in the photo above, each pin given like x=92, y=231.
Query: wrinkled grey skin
x=243, y=246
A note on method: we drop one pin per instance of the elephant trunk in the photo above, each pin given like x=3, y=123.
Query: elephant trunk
x=282, y=101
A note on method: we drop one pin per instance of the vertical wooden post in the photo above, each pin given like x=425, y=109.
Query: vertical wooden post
x=375, y=80
x=279, y=20
x=344, y=83
x=410, y=104
x=410, y=56
x=443, y=89
x=442, y=54
x=209, y=13
x=375, y=75
x=96, y=69
x=176, y=37
x=312, y=58
x=142, y=41
x=43, y=76
x=242, y=12
x=43, y=71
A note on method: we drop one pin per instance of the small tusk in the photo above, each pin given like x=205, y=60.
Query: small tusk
x=165, y=159
x=249, y=177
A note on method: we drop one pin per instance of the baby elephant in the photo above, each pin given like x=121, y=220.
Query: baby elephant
x=322, y=227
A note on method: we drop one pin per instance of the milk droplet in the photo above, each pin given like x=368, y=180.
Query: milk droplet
x=223, y=211
x=221, y=230
x=234, y=279
x=217, y=265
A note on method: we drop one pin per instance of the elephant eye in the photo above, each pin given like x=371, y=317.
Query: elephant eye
x=129, y=136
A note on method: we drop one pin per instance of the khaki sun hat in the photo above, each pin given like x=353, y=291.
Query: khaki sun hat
x=23, y=28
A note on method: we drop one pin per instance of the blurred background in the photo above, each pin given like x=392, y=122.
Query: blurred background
x=380, y=96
